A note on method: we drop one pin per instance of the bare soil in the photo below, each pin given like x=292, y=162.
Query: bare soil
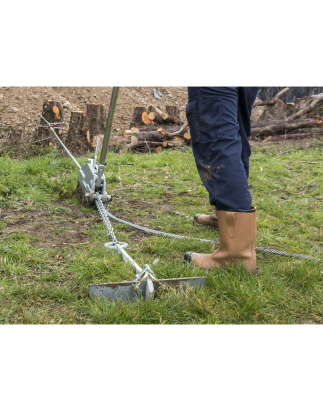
x=25, y=103
x=71, y=226
x=49, y=229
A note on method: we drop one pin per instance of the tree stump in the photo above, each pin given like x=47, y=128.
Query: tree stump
x=95, y=120
x=77, y=126
x=173, y=112
x=137, y=117
x=53, y=113
x=158, y=116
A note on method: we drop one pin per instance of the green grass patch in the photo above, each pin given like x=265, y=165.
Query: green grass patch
x=164, y=192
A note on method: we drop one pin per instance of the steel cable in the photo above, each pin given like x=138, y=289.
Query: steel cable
x=105, y=214
x=183, y=237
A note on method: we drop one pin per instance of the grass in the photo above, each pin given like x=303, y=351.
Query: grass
x=50, y=284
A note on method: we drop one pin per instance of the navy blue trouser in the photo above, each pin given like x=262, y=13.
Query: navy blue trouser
x=219, y=121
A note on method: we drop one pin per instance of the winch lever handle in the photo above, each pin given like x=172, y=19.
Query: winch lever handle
x=108, y=128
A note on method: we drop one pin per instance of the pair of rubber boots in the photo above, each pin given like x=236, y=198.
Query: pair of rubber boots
x=238, y=233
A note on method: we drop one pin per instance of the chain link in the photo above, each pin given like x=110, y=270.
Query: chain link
x=105, y=218
x=104, y=214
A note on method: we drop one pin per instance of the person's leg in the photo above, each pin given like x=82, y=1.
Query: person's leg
x=246, y=99
x=212, y=114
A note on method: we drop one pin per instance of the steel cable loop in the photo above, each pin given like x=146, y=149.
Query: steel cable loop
x=104, y=214
x=183, y=237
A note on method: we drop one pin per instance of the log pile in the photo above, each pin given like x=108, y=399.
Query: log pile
x=296, y=120
x=152, y=130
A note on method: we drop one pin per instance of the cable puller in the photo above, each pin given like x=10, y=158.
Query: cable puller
x=91, y=189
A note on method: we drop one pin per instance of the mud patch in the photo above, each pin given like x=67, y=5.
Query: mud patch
x=129, y=214
x=48, y=228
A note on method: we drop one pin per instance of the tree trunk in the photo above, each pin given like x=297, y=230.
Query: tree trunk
x=77, y=126
x=53, y=113
x=158, y=116
x=273, y=101
x=284, y=126
x=142, y=144
x=297, y=136
x=173, y=112
x=263, y=123
x=137, y=117
x=95, y=120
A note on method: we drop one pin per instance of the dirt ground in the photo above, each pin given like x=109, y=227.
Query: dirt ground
x=49, y=230
x=70, y=225
x=25, y=103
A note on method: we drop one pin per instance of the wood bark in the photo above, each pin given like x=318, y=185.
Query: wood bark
x=153, y=136
x=284, y=126
x=95, y=120
x=77, y=126
x=173, y=112
x=264, y=123
x=137, y=116
x=305, y=110
x=142, y=144
x=53, y=113
x=162, y=118
x=273, y=101
x=297, y=136
x=182, y=130
x=314, y=130
x=156, y=118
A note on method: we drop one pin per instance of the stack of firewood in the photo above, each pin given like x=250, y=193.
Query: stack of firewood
x=297, y=120
x=152, y=130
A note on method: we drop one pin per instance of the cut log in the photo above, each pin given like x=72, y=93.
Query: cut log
x=162, y=118
x=273, y=101
x=141, y=144
x=305, y=110
x=173, y=112
x=137, y=116
x=150, y=127
x=76, y=126
x=297, y=136
x=314, y=130
x=284, y=126
x=117, y=141
x=264, y=123
x=53, y=113
x=156, y=118
x=157, y=110
x=95, y=119
x=181, y=130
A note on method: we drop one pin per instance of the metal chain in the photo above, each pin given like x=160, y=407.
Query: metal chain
x=105, y=218
x=104, y=213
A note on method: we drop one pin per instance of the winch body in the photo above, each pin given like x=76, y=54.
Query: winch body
x=88, y=184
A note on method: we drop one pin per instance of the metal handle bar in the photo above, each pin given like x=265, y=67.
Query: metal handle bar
x=107, y=133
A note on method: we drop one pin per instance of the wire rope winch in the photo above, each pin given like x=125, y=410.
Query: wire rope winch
x=91, y=189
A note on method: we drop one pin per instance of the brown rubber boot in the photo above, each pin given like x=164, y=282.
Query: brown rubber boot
x=238, y=233
x=207, y=219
